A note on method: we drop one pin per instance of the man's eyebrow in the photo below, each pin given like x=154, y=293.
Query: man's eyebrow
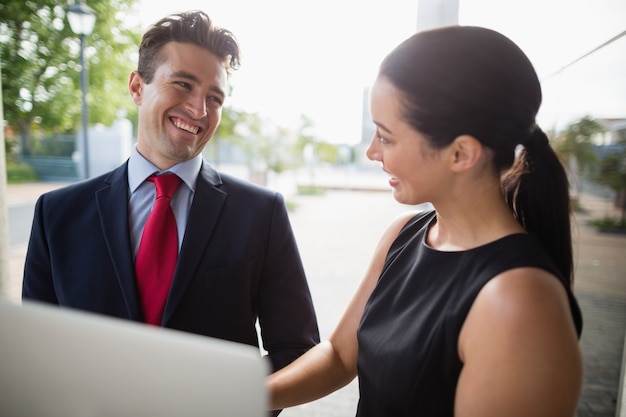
x=218, y=91
x=188, y=76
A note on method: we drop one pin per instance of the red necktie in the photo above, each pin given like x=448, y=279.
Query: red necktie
x=158, y=250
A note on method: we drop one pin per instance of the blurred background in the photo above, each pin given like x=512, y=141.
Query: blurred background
x=297, y=121
x=300, y=99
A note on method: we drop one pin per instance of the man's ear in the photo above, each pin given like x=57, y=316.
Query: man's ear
x=465, y=151
x=135, y=87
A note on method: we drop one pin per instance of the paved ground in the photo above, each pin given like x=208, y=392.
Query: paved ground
x=337, y=233
x=601, y=290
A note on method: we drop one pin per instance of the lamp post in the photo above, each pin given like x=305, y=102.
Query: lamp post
x=82, y=19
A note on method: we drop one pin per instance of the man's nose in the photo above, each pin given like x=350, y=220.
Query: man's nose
x=197, y=106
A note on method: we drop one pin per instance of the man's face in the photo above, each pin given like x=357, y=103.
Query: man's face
x=181, y=108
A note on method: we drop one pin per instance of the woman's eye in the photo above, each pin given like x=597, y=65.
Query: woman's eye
x=382, y=139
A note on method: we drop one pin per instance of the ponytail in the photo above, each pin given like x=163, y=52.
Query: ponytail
x=537, y=190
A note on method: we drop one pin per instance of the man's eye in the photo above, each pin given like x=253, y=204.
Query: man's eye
x=215, y=99
x=184, y=84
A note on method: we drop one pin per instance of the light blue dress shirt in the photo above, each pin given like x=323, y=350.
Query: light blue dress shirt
x=142, y=194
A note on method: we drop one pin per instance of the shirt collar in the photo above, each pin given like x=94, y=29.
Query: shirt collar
x=139, y=169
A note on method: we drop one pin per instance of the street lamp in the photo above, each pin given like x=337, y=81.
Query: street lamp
x=82, y=19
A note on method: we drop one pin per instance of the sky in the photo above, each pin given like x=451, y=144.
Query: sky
x=316, y=58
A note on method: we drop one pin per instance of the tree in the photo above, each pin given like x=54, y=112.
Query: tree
x=576, y=148
x=226, y=131
x=612, y=173
x=41, y=69
x=266, y=145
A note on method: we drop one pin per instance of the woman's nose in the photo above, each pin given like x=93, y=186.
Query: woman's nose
x=372, y=152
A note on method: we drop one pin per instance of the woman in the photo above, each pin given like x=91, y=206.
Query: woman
x=466, y=310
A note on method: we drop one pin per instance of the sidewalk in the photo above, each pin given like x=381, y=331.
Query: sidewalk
x=16, y=195
x=326, y=225
x=24, y=193
x=600, y=285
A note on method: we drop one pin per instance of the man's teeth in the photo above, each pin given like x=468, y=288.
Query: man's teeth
x=184, y=126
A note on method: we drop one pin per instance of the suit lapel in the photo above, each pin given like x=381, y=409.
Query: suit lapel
x=207, y=204
x=112, y=202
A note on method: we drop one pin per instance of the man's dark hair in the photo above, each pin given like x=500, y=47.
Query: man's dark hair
x=193, y=27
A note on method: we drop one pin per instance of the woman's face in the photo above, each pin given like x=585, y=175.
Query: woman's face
x=415, y=169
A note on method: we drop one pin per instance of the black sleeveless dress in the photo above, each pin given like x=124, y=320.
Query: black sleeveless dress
x=408, y=363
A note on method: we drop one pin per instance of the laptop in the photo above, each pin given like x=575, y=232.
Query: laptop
x=57, y=362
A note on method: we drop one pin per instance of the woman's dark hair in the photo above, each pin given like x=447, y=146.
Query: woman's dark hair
x=465, y=80
x=188, y=27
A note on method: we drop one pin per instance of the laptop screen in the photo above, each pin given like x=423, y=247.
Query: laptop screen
x=65, y=363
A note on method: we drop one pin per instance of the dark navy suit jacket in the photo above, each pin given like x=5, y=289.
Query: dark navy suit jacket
x=238, y=262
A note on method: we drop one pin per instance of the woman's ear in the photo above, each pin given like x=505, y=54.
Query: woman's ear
x=465, y=152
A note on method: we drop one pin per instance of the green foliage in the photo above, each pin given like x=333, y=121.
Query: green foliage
x=114, y=45
x=266, y=146
x=609, y=224
x=10, y=143
x=228, y=124
x=612, y=173
x=41, y=66
x=328, y=152
x=291, y=205
x=58, y=145
x=19, y=172
x=304, y=137
x=575, y=145
x=612, y=170
x=311, y=190
x=576, y=206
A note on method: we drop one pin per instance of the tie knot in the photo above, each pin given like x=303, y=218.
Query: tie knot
x=165, y=184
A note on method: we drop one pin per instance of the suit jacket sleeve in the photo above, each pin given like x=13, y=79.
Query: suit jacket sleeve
x=286, y=313
x=38, y=283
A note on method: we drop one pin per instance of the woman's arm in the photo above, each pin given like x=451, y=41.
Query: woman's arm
x=331, y=365
x=519, y=349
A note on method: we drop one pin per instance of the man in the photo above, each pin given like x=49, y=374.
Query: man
x=237, y=259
